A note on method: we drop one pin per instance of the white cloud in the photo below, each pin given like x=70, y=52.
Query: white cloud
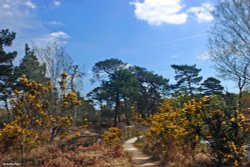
x=17, y=15
x=6, y=6
x=30, y=4
x=157, y=12
x=56, y=3
x=56, y=23
x=21, y=17
x=202, y=13
x=126, y=66
x=59, y=35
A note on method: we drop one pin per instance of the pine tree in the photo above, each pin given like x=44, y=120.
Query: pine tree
x=211, y=86
x=7, y=77
x=152, y=88
x=31, y=67
x=187, y=78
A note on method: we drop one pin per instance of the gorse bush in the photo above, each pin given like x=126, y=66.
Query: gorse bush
x=16, y=137
x=31, y=116
x=112, y=135
x=181, y=127
x=164, y=135
x=226, y=134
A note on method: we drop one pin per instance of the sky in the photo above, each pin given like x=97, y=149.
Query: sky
x=148, y=33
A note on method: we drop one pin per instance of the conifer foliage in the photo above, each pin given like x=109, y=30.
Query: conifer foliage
x=7, y=77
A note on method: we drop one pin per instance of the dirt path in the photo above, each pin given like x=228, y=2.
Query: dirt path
x=139, y=159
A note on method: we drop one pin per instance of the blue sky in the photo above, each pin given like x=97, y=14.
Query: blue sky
x=149, y=33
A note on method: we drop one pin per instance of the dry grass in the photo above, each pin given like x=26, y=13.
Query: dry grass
x=93, y=156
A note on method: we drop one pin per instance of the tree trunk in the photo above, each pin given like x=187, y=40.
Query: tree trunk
x=54, y=133
x=240, y=100
x=6, y=105
x=117, y=107
x=190, y=89
x=126, y=112
x=241, y=85
x=115, y=119
x=73, y=90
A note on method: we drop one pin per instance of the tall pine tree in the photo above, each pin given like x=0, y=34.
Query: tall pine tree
x=31, y=67
x=7, y=77
x=187, y=78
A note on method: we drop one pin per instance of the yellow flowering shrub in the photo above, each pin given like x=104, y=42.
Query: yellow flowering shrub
x=194, y=112
x=112, y=135
x=32, y=117
x=26, y=138
x=165, y=133
x=225, y=134
x=181, y=127
x=71, y=98
x=175, y=128
x=63, y=81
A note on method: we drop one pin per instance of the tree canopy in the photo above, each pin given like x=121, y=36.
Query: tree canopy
x=31, y=67
x=211, y=86
x=187, y=79
x=7, y=76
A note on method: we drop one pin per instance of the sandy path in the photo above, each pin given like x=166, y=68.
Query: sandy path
x=139, y=159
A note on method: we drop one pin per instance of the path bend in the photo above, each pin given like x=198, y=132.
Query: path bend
x=139, y=159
